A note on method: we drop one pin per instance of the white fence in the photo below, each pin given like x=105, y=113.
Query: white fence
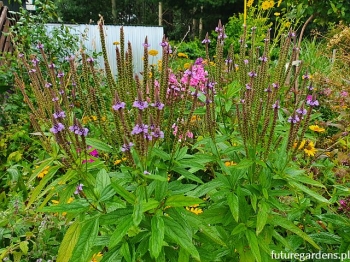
x=135, y=34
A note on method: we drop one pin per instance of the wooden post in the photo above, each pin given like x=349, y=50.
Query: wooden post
x=160, y=13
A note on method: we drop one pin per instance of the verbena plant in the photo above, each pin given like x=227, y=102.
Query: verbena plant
x=176, y=166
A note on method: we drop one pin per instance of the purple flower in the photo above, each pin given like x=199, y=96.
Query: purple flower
x=252, y=74
x=32, y=70
x=59, y=114
x=94, y=153
x=291, y=34
x=146, y=45
x=55, y=99
x=57, y=128
x=60, y=74
x=344, y=93
x=276, y=105
x=52, y=65
x=118, y=105
x=267, y=89
x=199, y=61
x=228, y=61
x=206, y=41
x=263, y=59
x=242, y=101
x=301, y=111
x=293, y=119
x=127, y=147
x=138, y=129
x=248, y=86
x=90, y=60
x=20, y=55
x=246, y=61
x=35, y=61
x=48, y=85
x=140, y=104
x=158, y=133
x=73, y=128
x=342, y=202
x=158, y=105
x=275, y=85
x=311, y=101
x=211, y=85
x=146, y=172
x=70, y=58
x=164, y=44
x=78, y=189
x=61, y=91
x=40, y=46
x=82, y=131
x=218, y=29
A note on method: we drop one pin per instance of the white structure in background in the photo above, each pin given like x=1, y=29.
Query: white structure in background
x=135, y=34
x=30, y=5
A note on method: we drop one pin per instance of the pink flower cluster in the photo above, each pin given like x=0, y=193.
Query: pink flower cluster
x=197, y=76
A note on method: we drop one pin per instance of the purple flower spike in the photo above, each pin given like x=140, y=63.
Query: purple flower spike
x=248, y=86
x=252, y=74
x=158, y=105
x=138, y=129
x=57, y=128
x=146, y=45
x=54, y=99
x=206, y=41
x=52, y=65
x=40, y=46
x=301, y=111
x=127, y=147
x=90, y=60
x=60, y=74
x=263, y=59
x=32, y=70
x=246, y=61
x=48, y=85
x=312, y=101
x=275, y=85
x=59, y=114
x=293, y=119
x=78, y=189
x=276, y=105
x=94, y=153
x=118, y=105
x=140, y=104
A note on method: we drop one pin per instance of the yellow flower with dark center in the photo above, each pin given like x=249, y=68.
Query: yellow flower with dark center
x=316, y=128
x=265, y=5
x=44, y=172
x=153, y=52
x=116, y=43
x=183, y=55
x=310, y=149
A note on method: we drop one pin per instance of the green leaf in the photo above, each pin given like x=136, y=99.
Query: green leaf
x=239, y=229
x=129, y=197
x=326, y=238
x=180, y=154
x=120, y=231
x=306, y=180
x=187, y=174
x=160, y=154
x=253, y=244
x=244, y=164
x=178, y=234
x=51, y=172
x=68, y=243
x=102, y=180
x=262, y=217
x=309, y=192
x=150, y=204
x=137, y=213
x=99, y=145
x=86, y=240
x=205, y=188
x=283, y=222
x=23, y=245
x=181, y=201
x=155, y=177
x=125, y=250
x=184, y=256
x=157, y=236
x=77, y=206
x=232, y=201
x=111, y=255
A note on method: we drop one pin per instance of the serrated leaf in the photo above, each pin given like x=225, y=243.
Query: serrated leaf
x=253, y=244
x=68, y=243
x=120, y=231
x=157, y=236
x=284, y=223
x=129, y=197
x=309, y=192
x=99, y=145
x=232, y=201
x=102, y=180
x=86, y=240
x=181, y=201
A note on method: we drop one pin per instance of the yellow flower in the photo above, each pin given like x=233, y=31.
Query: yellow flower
x=194, y=119
x=279, y=3
x=287, y=24
x=187, y=65
x=211, y=63
x=118, y=161
x=55, y=202
x=182, y=55
x=116, y=43
x=150, y=75
x=194, y=209
x=236, y=67
x=153, y=52
x=103, y=118
x=93, y=118
x=310, y=149
x=85, y=119
x=265, y=5
x=316, y=128
x=250, y=3
x=277, y=14
x=271, y=3
x=302, y=144
x=96, y=257
x=44, y=172
x=230, y=163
